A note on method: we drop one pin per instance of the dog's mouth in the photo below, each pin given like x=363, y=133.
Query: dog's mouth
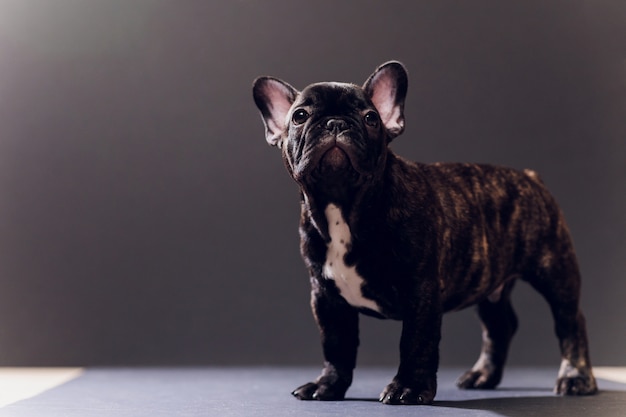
x=334, y=158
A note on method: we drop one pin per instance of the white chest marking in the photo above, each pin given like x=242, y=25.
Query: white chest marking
x=346, y=278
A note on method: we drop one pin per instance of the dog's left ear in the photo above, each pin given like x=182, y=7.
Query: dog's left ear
x=274, y=98
x=386, y=87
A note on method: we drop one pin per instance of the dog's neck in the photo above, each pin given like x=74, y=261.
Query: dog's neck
x=357, y=202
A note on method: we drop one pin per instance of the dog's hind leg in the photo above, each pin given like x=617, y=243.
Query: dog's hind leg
x=499, y=324
x=559, y=282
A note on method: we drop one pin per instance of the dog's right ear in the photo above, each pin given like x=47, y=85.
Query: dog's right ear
x=274, y=98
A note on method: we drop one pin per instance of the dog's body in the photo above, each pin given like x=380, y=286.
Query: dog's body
x=409, y=241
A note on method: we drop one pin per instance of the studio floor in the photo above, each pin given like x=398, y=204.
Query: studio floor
x=258, y=391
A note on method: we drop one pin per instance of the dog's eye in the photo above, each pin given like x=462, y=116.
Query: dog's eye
x=371, y=118
x=300, y=116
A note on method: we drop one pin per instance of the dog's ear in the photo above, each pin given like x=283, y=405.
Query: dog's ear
x=274, y=98
x=386, y=87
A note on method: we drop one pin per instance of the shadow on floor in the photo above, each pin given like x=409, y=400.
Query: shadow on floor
x=605, y=404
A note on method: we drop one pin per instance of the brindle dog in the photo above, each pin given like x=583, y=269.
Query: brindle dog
x=409, y=241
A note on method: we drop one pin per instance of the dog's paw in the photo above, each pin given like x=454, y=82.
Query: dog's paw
x=319, y=391
x=577, y=385
x=397, y=393
x=479, y=379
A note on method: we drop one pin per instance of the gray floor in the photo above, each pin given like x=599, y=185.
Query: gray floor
x=238, y=392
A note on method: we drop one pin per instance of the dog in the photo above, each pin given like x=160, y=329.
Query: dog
x=408, y=241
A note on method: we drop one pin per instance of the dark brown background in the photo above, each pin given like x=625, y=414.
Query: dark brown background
x=144, y=220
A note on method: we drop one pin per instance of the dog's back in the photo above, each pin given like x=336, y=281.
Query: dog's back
x=498, y=224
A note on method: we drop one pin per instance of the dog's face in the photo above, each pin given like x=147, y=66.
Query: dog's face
x=334, y=133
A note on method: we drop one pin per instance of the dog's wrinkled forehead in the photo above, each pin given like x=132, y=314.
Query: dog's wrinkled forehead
x=334, y=98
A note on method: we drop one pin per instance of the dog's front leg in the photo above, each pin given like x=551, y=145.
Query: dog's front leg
x=338, y=323
x=416, y=380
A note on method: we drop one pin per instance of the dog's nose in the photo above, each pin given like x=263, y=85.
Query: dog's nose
x=336, y=125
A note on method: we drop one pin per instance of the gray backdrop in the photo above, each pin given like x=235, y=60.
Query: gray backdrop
x=144, y=220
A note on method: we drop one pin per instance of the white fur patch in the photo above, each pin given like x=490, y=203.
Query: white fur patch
x=567, y=370
x=483, y=362
x=346, y=278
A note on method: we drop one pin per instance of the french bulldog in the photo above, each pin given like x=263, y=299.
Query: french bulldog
x=408, y=241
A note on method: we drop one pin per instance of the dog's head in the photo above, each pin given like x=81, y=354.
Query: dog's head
x=334, y=132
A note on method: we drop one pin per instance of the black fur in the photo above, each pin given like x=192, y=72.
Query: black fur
x=426, y=238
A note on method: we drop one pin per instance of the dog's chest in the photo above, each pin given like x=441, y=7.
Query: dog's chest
x=346, y=277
